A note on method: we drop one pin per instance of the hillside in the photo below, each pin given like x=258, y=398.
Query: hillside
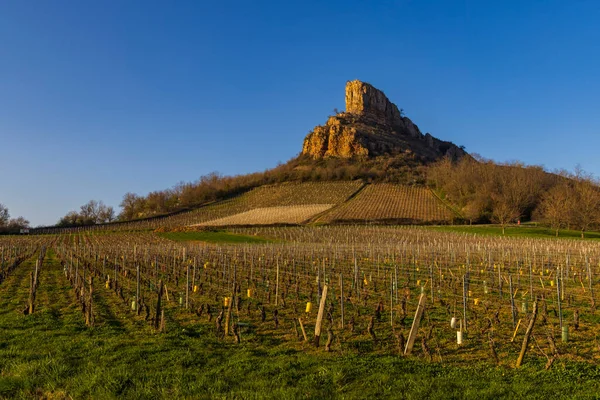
x=293, y=202
x=309, y=202
x=387, y=203
x=372, y=141
x=371, y=203
x=367, y=164
x=373, y=132
x=287, y=203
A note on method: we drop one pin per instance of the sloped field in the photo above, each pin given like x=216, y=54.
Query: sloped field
x=271, y=215
x=347, y=201
x=282, y=198
x=276, y=195
x=289, y=194
x=388, y=202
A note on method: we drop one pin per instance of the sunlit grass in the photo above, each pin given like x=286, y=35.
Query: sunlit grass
x=213, y=237
x=517, y=231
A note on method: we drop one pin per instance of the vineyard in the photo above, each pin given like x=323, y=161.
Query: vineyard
x=324, y=294
x=392, y=203
x=300, y=203
x=271, y=215
x=285, y=194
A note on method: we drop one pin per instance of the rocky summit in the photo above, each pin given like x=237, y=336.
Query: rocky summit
x=373, y=126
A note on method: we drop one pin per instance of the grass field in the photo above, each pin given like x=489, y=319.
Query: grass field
x=272, y=273
x=526, y=231
x=52, y=354
x=213, y=237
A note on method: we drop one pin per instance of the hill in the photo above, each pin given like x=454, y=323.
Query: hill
x=308, y=202
x=335, y=202
x=371, y=164
x=371, y=142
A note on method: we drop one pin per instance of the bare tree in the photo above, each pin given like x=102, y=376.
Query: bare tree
x=72, y=218
x=4, y=215
x=8, y=224
x=477, y=208
x=132, y=206
x=555, y=207
x=586, y=206
x=93, y=212
x=18, y=223
x=505, y=210
x=159, y=202
x=89, y=211
x=105, y=214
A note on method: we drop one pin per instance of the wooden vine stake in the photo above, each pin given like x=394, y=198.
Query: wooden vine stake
x=31, y=294
x=415, y=325
x=516, y=330
x=591, y=287
x=465, y=292
x=558, y=301
x=320, y=316
x=277, y=286
x=229, y=307
x=303, y=330
x=527, y=335
x=35, y=276
x=187, y=287
x=137, y=289
x=157, y=317
x=89, y=313
x=512, y=302
x=116, y=276
x=342, y=299
x=33, y=287
x=392, y=302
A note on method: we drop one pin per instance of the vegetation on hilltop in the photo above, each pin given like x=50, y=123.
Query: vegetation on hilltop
x=485, y=191
x=479, y=190
x=482, y=191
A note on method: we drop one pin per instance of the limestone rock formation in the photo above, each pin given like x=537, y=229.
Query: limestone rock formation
x=373, y=126
x=362, y=98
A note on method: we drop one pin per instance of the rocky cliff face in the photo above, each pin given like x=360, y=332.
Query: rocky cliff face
x=362, y=98
x=373, y=126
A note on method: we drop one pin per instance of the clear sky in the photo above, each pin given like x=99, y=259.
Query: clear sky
x=105, y=97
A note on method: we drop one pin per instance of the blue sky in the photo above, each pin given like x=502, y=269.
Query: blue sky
x=101, y=98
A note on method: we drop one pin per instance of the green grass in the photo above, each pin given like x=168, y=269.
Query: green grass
x=52, y=354
x=107, y=363
x=213, y=237
x=516, y=231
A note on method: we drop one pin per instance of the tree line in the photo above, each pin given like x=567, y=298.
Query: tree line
x=484, y=191
x=480, y=190
x=11, y=225
x=92, y=212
